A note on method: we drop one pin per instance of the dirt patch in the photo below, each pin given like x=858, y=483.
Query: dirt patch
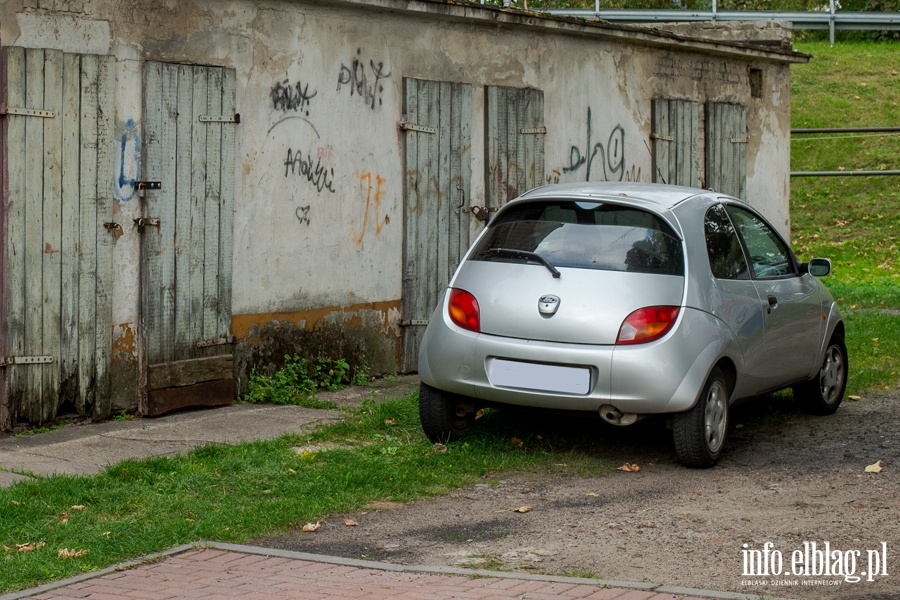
x=789, y=481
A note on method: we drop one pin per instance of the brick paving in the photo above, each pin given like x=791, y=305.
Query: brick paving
x=222, y=574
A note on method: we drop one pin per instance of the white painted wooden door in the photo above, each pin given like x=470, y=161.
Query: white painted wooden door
x=726, y=148
x=437, y=117
x=675, y=135
x=56, y=254
x=189, y=140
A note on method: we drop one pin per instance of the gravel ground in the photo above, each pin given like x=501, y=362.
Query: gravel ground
x=788, y=480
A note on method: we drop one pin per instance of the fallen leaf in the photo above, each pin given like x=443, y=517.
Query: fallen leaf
x=29, y=547
x=66, y=553
x=593, y=495
x=629, y=468
x=517, y=442
x=309, y=527
x=479, y=414
x=350, y=523
x=292, y=471
x=390, y=422
x=874, y=468
x=78, y=507
x=7, y=549
x=439, y=449
x=520, y=509
x=16, y=503
x=107, y=533
x=854, y=398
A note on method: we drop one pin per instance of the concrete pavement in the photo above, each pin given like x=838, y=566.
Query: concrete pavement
x=226, y=571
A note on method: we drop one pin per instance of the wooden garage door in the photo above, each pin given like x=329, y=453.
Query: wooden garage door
x=675, y=138
x=56, y=255
x=515, y=135
x=186, y=245
x=436, y=199
x=726, y=148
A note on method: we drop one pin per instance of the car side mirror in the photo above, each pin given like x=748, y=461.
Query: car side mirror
x=819, y=267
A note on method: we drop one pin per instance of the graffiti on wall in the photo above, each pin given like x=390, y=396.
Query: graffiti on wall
x=371, y=188
x=596, y=160
x=287, y=96
x=127, y=157
x=316, y=174
x=363, y=80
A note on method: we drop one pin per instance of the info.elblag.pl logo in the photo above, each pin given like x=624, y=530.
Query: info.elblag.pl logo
x=812, y=564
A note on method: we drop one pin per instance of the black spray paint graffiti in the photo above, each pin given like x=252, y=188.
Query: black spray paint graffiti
x=302, y=213
x=287, y=96
x=366, y=86
x=322, y=178
x=612, y=156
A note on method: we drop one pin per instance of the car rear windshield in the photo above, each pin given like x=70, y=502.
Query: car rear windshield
x=585, y=235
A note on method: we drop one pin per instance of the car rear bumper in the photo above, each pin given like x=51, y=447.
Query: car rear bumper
x=664, y=376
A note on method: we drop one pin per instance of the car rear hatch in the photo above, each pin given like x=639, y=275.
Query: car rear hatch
x=566, y=271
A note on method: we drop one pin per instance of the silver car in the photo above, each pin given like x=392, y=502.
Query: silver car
x=630, y=300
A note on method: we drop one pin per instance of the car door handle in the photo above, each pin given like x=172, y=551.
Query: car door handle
x=773, y=303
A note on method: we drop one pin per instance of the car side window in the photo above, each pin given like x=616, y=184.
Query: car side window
x=726, y=257
x=769, y=256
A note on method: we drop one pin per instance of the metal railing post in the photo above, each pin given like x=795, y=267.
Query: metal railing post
x=831, y=23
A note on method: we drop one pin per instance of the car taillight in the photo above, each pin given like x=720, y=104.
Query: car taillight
x=463, y=309
x=647, y=324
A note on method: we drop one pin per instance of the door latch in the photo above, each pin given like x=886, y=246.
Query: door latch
x=115, y=228
x=481, y=212
x=143, y=186
x=142, y=222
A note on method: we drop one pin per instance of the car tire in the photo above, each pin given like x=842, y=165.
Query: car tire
x=699, y=434
x=439, y=412
x=822, y=395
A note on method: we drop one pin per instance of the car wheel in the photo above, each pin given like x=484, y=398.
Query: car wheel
x=445, y=416
x=823, y=393
x=699, y=433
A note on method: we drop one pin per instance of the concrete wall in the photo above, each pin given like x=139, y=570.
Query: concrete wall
x=319, y=176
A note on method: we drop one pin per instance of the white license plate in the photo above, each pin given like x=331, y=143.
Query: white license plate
x=538, y=377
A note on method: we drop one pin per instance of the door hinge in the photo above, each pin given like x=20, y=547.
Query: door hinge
x=5, y=361
x=413, y=322
x=26, y=112
x=215, y=342
x=661, y=136
x=235, y=118
x=533, y=130
x=740, y=140
x=404, y=126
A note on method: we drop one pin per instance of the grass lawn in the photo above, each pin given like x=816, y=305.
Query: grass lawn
x=855, y=221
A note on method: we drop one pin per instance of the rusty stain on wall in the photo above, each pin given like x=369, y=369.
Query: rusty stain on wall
x=124, y=344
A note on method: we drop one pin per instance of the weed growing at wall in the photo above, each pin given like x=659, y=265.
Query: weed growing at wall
x=298, y=381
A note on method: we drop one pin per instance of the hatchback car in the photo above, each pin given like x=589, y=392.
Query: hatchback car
x=630, y=300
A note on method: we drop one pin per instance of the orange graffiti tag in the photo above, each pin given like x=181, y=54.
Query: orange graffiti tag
x=366, y=182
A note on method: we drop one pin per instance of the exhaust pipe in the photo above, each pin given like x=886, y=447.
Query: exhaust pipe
x=613, y=415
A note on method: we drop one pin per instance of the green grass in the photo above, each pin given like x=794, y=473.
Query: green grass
x=235, y=493
x=855, y=221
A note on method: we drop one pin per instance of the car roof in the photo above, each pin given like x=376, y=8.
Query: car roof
x=664, y=197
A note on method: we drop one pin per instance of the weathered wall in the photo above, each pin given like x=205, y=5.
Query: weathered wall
x=318, y=240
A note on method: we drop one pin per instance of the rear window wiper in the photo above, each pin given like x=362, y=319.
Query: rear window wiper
x=524, y=255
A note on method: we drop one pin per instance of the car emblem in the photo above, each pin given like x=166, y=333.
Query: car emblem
x=547, y=305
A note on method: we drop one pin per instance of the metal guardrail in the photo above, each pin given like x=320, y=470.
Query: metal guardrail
x=870, y=173
x=830, y=19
